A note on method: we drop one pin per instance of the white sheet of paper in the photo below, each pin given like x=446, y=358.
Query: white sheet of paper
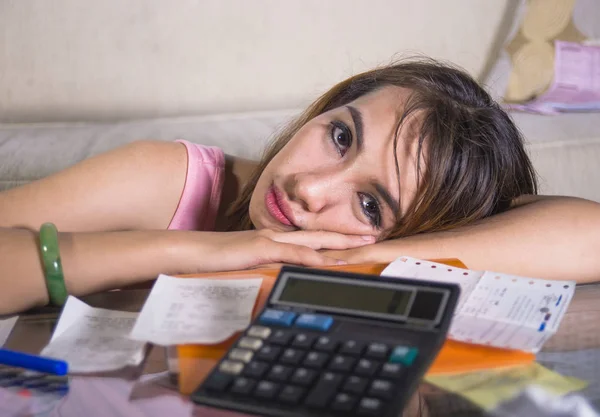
x=525, y=312
x=94, y=339
x=194, y=310
x=408, y=267
x=6, y=326
x=496, y=309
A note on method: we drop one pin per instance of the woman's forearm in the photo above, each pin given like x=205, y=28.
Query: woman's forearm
x=552, y=237
x=99, y=261
x=91, y=262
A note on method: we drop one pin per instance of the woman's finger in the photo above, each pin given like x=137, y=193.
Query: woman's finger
x=298, y=255
x=323, y=240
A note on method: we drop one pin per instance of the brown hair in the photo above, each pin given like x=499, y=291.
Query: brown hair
x=476, y=160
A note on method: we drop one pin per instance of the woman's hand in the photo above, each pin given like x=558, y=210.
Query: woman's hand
x=229, y=251
x=381, y=252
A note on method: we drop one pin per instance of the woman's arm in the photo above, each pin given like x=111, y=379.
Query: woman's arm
x=137, y=186
x=91, y=262
x=112, y=212
x=96, y=261
x=133, y=187
x=544, y=237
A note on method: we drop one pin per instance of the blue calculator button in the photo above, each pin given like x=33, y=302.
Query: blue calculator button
x=277, y=317
x=314, y=322
x=404, y=355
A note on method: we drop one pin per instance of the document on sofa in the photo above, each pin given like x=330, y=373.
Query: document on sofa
x=576, y=83
x=495, y=309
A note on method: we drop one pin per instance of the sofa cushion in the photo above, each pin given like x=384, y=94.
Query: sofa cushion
x=32, y=151
x=565, y=148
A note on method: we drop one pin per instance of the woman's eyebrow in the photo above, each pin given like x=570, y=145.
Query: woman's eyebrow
x=387, y=197
x=357, y=119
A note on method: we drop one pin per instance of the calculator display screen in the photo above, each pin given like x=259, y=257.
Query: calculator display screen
x=346, y=295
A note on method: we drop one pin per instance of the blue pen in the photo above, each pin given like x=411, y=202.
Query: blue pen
x=33, y=362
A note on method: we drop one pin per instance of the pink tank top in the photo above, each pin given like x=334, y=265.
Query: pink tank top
x=199, y=202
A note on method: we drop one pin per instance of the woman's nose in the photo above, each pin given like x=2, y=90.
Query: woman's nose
x=314, y=191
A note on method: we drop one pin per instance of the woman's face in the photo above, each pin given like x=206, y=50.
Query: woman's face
x=338, y=173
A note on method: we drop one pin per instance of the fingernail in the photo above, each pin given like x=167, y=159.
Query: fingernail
x=368, y=238
x=340, y=262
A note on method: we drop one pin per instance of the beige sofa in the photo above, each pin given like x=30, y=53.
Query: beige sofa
x=77, y=78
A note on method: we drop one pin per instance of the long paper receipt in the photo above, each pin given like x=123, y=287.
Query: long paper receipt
x=494, y=309
x=196, y=310
x=94, y=339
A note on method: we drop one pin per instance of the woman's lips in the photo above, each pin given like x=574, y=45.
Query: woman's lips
x=277, y=207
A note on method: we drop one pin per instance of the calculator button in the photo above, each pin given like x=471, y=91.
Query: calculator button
x=231, y=367
x=377, y=351
x=381, y=388
x=250, y=343
x=355, y=385
x=352, y=347
x=370, y=406
x=277, y=317
x=279, y=373
x=243, y=355
x=318, y=322
x=243, y=386
x=291, y=394
x=404, y=355
x=268, y=353
x=281, y=337
x=266, y=389
x=303, y=376
x=325, y=344
x=343, y=402
x=256, y=369
x=366, y=367
x=217, y=381
x=292, y=356
x=342, y=363
x=303, y=340
x=315, y=359
x=261, y=332
x=391, y=370
x=324, y=390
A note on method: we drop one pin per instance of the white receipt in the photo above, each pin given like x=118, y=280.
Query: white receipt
x=194, y=310
x=6, y=326
x=94, y=339
x=496, y=309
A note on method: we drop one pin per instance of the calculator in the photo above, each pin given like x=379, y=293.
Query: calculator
x=331, y=343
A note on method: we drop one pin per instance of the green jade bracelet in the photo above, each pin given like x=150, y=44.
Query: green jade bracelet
x=55, y=280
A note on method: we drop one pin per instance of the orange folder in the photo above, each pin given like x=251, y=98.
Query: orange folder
x=196, y=361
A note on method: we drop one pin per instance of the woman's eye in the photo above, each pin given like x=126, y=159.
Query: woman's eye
x=370, y=206
x=341, y=137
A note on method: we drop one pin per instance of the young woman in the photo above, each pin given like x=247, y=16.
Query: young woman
x=409, y=159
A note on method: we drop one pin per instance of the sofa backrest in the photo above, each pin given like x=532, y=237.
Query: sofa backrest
x=65, y=60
